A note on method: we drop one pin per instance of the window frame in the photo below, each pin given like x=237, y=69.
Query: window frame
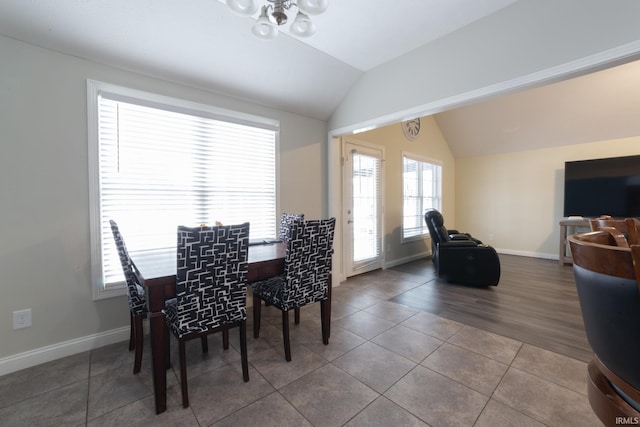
x=94, y=89
x=430, y=161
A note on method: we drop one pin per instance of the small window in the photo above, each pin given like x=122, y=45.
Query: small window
x=422, y=189
x=157, y=162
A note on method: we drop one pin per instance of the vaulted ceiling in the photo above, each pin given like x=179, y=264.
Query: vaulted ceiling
x=201, y=43
x=596, y=107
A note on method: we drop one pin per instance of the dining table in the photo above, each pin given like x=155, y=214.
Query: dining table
x=265, y=260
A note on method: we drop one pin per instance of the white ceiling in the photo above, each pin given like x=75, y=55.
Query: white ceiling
x=367, y=33
x=203, y=44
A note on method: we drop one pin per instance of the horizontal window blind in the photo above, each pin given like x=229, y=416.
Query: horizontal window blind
x=164, y=167
x=422, y=189
x=367, y=205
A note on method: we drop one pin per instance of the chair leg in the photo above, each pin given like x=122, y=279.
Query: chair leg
x=325, y=307
x=132, y=343
x=243, y=350
x=167, y=346
x=225, y=338
x=257, y=304
x=205, y=344
x=285, y=335
x=183, y=374
x=328, y=312
x=296, y=315
x=138, y=333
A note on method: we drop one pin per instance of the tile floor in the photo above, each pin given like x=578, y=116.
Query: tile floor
x=386, y=365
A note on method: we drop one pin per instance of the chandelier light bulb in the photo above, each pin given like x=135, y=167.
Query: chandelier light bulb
x=302, y=26
x=243, y=7
x=313, y=7
x=265, y=28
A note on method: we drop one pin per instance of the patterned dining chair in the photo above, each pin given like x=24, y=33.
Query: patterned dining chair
x=136, y=297
x=211, y=289
x=285, y=228
x=305, y=280
x=285, y=224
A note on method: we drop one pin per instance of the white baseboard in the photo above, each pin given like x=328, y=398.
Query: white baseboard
x=527, y=254
x=396, y=262
x=41, y=355
x=49, y=353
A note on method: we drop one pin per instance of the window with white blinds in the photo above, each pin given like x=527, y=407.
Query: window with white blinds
x=367, y=207
x=422, y=189
x=157, y=163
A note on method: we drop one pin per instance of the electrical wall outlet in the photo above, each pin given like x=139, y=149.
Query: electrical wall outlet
x=22, y=318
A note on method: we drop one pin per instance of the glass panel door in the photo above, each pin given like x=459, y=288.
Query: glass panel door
x=363, y=208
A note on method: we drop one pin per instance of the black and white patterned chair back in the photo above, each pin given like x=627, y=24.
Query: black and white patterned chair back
x=285, y=224
x=308, y=262
x=211, y=288
x=135, y=291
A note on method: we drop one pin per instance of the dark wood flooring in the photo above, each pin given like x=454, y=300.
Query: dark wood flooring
x=535, y=302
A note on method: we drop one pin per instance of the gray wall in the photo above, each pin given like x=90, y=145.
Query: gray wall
x=44, y=231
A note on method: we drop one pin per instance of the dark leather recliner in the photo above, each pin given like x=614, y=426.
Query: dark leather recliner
x=460, y=258
x=606, y=274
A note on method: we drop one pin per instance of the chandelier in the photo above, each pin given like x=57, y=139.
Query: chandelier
x=274, y=14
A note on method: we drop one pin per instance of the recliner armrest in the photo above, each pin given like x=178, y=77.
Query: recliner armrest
x=462, y=243
x=464, y=236
x=459, y=236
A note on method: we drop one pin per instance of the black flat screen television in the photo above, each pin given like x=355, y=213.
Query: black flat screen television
x=597, y=187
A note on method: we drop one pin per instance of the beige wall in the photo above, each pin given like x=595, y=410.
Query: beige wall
x=44, y=227
x=514, y=201
x=430, y=144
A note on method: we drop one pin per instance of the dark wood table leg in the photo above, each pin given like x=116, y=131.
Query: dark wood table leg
x=157, y=330
x=329, y=291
